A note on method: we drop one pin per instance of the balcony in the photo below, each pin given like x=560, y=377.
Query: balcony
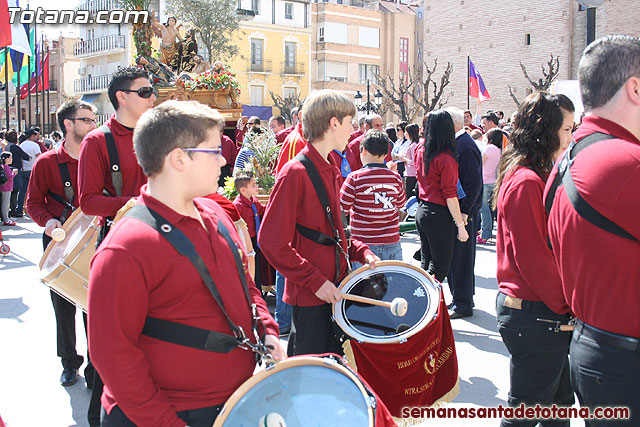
x=264, y=66
x=99, y=45
x=92, y=84
x=93, y=6
x=102, y=118
x=294, y=68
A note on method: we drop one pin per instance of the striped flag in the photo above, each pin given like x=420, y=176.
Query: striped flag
x=477, y=89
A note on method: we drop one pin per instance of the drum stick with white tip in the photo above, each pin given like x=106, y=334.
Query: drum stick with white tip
x=272, y=419
x=398, y=306
x=58, y=234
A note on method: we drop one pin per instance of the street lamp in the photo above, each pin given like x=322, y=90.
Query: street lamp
x=368, y=106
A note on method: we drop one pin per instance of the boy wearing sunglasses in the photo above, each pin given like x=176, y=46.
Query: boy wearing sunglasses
x=105, y=184
x=138, y=274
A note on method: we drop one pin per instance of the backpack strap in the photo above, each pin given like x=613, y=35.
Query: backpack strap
x=583, y=208
x=68, y=192
x=114, y=160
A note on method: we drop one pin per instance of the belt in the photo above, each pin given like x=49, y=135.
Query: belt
x=622, y=342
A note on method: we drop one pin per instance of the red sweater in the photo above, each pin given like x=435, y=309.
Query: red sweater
x=243, y=205
x=526, y=267
x=45, y=177
x=353, y=153
x=440, y=182
x=305, y=264
x=137, y=273
x=94, y=174
x=291, y=147
x=229, y=150
x=283, y=134
x=599, y=270
x=373, y=195
x=355, y=134
x=226, y=205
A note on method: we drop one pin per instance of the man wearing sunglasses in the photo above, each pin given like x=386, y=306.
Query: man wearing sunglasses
x=49, y=203
x=105, y=184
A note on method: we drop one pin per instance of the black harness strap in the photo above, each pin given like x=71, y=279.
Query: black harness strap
x=68, y=191
x=114, y=160
x=186, y=335
x=583, y=208
x=315, y=235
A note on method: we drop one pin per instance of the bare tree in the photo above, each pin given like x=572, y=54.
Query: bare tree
x=550, y=71
x=285, y=105
x=407, y=97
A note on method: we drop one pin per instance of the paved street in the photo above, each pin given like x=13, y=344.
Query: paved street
x=30, y=394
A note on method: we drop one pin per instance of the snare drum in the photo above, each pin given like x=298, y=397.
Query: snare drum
x=303, y=391
x=65, y=264
x=389, y=280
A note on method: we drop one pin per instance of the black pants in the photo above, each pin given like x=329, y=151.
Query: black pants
x=605, y=375
x=410, y=186
x=201, y=417
x=461, y=277
x=437, y=234
x=258, y=260
x=539, y=366
x=313, y=331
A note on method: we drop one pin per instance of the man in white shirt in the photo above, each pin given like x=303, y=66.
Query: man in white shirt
x=32, y=149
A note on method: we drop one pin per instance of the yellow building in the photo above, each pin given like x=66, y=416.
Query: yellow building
x=273, y=52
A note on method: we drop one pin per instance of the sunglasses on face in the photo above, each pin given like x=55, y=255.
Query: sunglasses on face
x=143, y=92
x=214, y=151
x=84, y=119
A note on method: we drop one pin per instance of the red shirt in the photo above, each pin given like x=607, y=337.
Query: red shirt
x=283, y=134
x=373, y=195
x=305, y=264
x=599, y=270
x=45, y=177
x=355, y=134
x=225, y=204
x=243, y=205
x=240, y=136
x=229, y=150
x=291, y=147
x=353, y=153
x=94, y=174
x=137, y=273
x=440, y=182
x=526, y=267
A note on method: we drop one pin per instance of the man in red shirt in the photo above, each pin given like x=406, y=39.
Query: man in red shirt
x=600, y=269
x=229, y=152
x=372, y=121
x=360, y=131
x=277, y=125
x=131, y=94
x=310, y=267
x=50, y=202
x=140, y=281
x=284, y=133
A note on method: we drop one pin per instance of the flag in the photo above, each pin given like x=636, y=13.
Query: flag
x=477, y=89
x=5, y=26
x=42, y=78
x=19, y=41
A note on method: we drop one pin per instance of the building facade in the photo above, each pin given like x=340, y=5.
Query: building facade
x=498, y=37
x=273, y=51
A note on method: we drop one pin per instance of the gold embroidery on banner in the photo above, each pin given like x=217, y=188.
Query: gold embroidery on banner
x=406, y=363
x=431, y=366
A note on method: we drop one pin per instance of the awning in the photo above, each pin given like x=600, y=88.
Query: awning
x=264, y=113
x=89, y=97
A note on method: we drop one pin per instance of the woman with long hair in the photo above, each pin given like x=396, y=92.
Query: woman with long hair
x=438, y=218
x=491, y=152
x=530, y=305
x=412, y=135
x=399, y=146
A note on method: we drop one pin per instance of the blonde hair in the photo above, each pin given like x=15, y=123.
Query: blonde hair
x=319, y=107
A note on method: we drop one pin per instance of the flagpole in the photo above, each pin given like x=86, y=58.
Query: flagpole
x=468, y=77
x=19, y=112
x=6, y=84
x=44, y=109
x=49, y=125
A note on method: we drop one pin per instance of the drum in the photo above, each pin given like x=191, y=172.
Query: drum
x=411, y=206
x=300, y=392
x=64, y=266
x=389, y=280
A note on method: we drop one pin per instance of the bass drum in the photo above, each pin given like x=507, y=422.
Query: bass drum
x=301, y=392
x=390, y=279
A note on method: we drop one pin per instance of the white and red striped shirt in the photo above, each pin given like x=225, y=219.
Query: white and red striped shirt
x=373, y=194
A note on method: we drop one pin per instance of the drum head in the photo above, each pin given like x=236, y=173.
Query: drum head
x=411, y=206
x=75, y=228
x=304, y=391
x=389, y=280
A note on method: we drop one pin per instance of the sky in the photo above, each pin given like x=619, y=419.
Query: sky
x=54, y=31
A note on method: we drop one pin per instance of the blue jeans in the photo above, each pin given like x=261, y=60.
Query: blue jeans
x=23, y=182
x=283, y=310
x=485, y=211
x=392, y=251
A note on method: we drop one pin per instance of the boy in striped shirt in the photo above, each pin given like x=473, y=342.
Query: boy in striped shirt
x=373, y=195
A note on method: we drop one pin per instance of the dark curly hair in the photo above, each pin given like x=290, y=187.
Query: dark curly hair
x=534, y=140
x=439, y=136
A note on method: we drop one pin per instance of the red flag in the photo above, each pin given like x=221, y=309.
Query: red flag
x=5, y=26
x=30, y=87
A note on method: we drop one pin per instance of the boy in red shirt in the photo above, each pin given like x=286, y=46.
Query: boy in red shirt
x=373, y=195
x=251, y=211
x=295, y=208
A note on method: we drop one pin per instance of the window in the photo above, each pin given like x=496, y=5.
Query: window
x=290, y=57
x=368, y=71
x=404, y=57
x=369, y=37
x=527, y=39
x=581, y=8
x=255, y=6
x=290, y=92
x=257, y=94
x=335, y=32
x=288, y=11
x=256, y=54
x=320, y=34
x=332, y=71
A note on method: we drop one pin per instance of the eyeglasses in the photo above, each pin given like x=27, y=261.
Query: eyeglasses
x=84, y=119
x=143, y=92
x=215, y=151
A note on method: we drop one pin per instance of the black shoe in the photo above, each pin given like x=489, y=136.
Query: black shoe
x=17, y=215
x=69, y=377
x=455, y=315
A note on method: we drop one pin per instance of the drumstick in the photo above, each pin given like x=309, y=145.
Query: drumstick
x=398, y=306
x=272, y=419
x=58, y=234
